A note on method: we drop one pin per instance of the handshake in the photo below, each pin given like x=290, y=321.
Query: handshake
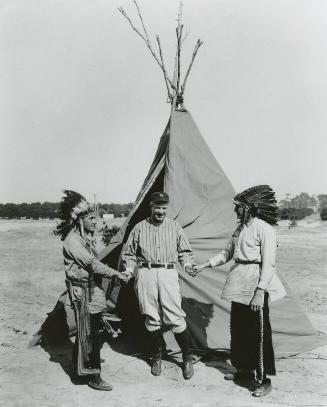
x=192, y=270
x=125, y=276
x=195, y=269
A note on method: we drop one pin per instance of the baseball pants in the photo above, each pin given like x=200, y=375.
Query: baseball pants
x=160, y=298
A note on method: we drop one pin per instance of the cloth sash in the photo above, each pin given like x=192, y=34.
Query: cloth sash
x=83, y=327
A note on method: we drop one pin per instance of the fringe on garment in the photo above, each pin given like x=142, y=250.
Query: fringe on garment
x=83, y=336
x=251, y=339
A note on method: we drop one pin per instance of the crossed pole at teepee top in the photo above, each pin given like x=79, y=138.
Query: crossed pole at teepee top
x=175, y=87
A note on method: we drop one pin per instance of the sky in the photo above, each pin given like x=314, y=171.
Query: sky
x=83, y=103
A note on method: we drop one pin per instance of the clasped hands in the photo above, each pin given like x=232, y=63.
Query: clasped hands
x=125, y=276
x=195, y=269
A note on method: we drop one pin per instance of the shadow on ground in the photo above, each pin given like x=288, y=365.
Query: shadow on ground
x=218, y=360
x=61, y=353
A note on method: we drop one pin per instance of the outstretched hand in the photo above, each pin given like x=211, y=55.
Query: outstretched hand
x=125, y=276
x=188, y=270
x=196, y=269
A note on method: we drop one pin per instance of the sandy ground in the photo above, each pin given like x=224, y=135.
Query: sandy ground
x=31, y=280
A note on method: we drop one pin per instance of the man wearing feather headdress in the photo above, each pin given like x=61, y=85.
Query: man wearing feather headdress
x=83, y=278
x=251, y=281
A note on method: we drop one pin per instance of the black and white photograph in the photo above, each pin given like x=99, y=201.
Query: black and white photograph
x=163, y=203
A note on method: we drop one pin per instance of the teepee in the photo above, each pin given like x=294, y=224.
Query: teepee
x=201, y=202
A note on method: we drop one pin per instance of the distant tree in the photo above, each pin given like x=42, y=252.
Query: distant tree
x=108, y=233
x=323, y=214
x=303, y=200
x=285, y=203
x=295, y=213
x=11, y=211
x=116, y=209
x=49, y=210
x=322, y=198
x=127, y=209
x=24, y=210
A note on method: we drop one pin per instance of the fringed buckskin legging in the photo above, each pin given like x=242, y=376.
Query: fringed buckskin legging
x=251, y=339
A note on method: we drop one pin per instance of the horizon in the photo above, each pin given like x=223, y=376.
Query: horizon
x=132, y=202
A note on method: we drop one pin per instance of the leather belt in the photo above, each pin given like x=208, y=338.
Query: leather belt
x=247, y=262
x=82, y=284
x=150, y=265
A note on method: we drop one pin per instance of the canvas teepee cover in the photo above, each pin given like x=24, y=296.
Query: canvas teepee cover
x=201, y=202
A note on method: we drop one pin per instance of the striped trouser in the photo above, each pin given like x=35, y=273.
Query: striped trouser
x=160, y=298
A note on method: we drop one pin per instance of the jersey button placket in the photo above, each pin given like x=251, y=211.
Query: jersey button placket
x=156, y=241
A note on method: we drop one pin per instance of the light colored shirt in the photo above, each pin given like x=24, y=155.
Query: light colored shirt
x=164, y=243
x=80, y=261
x=253, y=248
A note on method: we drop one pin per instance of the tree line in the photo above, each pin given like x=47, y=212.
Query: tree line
x=49, y=210
x=293, y=208
x=302, y=205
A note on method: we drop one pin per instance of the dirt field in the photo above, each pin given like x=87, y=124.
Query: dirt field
x=32, y=278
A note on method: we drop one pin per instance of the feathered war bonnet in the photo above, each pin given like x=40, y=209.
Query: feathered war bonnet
x=259, y=201
x=72, y=208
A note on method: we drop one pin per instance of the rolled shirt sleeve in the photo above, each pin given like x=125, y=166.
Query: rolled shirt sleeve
x=268, y=256
x=129, y=258
x=185, y=252
x=224, y=256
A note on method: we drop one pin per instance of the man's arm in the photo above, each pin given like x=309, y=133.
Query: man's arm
x=184, y=250
x=221, y=258
x=75, y=249
x=129, y=258
x=224, y=256
x=268, y=242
